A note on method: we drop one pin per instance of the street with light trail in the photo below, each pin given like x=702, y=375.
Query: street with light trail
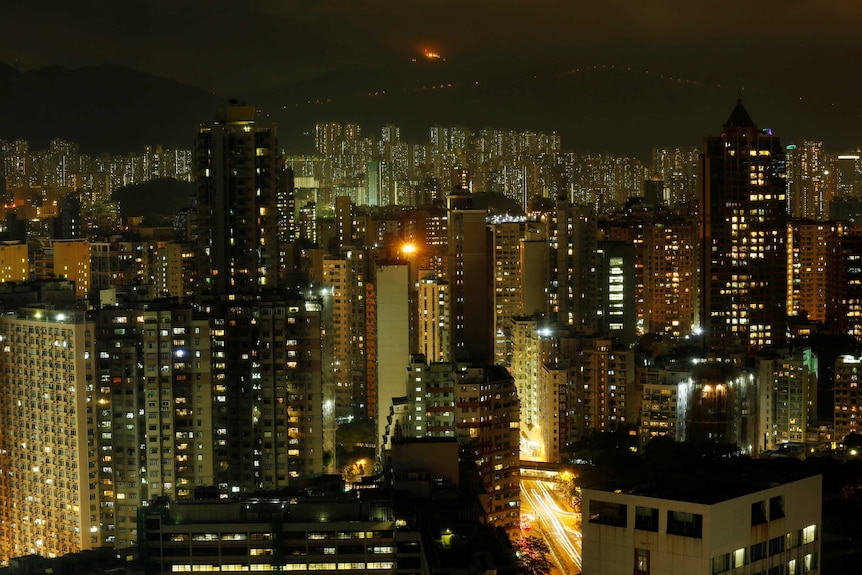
x=555, y=521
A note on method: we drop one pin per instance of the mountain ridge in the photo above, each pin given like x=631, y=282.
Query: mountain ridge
x=599, y=108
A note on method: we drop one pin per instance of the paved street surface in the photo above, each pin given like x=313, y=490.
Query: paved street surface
x=543, y=505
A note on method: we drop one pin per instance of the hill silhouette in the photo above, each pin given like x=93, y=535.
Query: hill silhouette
x=156, y=201
x=103, y=108
x=600, y=108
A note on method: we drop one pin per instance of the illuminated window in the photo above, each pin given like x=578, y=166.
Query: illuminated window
x=641, y=562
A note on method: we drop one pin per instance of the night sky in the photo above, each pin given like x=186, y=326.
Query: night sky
x=795, y=60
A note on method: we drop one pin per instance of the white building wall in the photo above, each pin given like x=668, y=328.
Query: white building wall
x=727, y=534
x=393, y=337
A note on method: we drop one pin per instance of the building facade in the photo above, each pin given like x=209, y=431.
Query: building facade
x=847, y=397
x=155, y=405
x=236, y=203
x=268, y=409
x=752, y=529
x=280, y=534
x=743, y=236
x=48, y=457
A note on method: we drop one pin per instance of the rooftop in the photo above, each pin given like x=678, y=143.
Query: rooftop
x=739, y=118
x=715, y=482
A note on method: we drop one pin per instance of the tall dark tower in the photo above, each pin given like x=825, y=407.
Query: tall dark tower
x=572, y=265
x=743, y=236
x=236, y=201
x=470, y=285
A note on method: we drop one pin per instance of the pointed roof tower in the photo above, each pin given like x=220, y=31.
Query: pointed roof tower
x=739, y=118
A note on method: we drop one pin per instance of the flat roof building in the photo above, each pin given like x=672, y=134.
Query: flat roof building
x=709, y=524
x=280, y=533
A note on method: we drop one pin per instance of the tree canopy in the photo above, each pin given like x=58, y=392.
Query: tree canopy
x=533, y=552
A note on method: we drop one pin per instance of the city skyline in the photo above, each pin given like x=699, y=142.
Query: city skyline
x=229, y=350
x=353, y=322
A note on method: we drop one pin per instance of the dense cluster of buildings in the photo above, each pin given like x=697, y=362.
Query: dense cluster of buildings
x=39, y=185
x=295, y=295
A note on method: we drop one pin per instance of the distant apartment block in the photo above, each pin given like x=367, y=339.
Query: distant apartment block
x=848, y=400
x=14, y=262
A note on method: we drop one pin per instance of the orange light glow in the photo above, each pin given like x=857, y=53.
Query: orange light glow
x=408, y=249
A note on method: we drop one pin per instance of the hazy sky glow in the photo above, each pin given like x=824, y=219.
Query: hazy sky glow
x=678, y=66
x=215, y=44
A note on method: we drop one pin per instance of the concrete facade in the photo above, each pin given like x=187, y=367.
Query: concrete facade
x=771, y=530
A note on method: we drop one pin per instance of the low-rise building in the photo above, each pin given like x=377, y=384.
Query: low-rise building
x=331, y=533
x=741, y=521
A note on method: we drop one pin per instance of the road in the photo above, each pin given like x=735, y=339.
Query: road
x=555, y=521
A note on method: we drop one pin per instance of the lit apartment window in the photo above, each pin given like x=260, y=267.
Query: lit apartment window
x=641, y=562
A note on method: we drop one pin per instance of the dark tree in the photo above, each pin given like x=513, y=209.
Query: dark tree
x=533, y=552
x=354, y=440
x=358, y=433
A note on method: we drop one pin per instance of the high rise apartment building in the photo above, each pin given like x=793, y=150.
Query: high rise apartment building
x=346, y=224
x=479, y=406
x=807, y=190
x=506, y=248
x=848, y=400
x=49, y=457
x=678, y=170
x=662, y=403
x=392, y=328
x=346, y=276
x=116, y=262
x=394, y=171
x=17, y=163
x=431, y=392
x=307, y=222
x=328, y=137
x=787, y=384
x=743, y=236
x=171, y=267
x=617, y=290
x=719, y=405
x=845, y=175
x=68, y=259
x=555, y=391
x=154, y=401
x=534, y=269
x=572, y=267
x=849, y=280
x=286, y=210
x=168, y=266
x=268, y=414
x=523, y=361
x=603, y=398
x=469, y=277
x=426, y=226
x=487, y=421
x=432, y=316
x=236, y=203
x=812, y=266
x=668, y=260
